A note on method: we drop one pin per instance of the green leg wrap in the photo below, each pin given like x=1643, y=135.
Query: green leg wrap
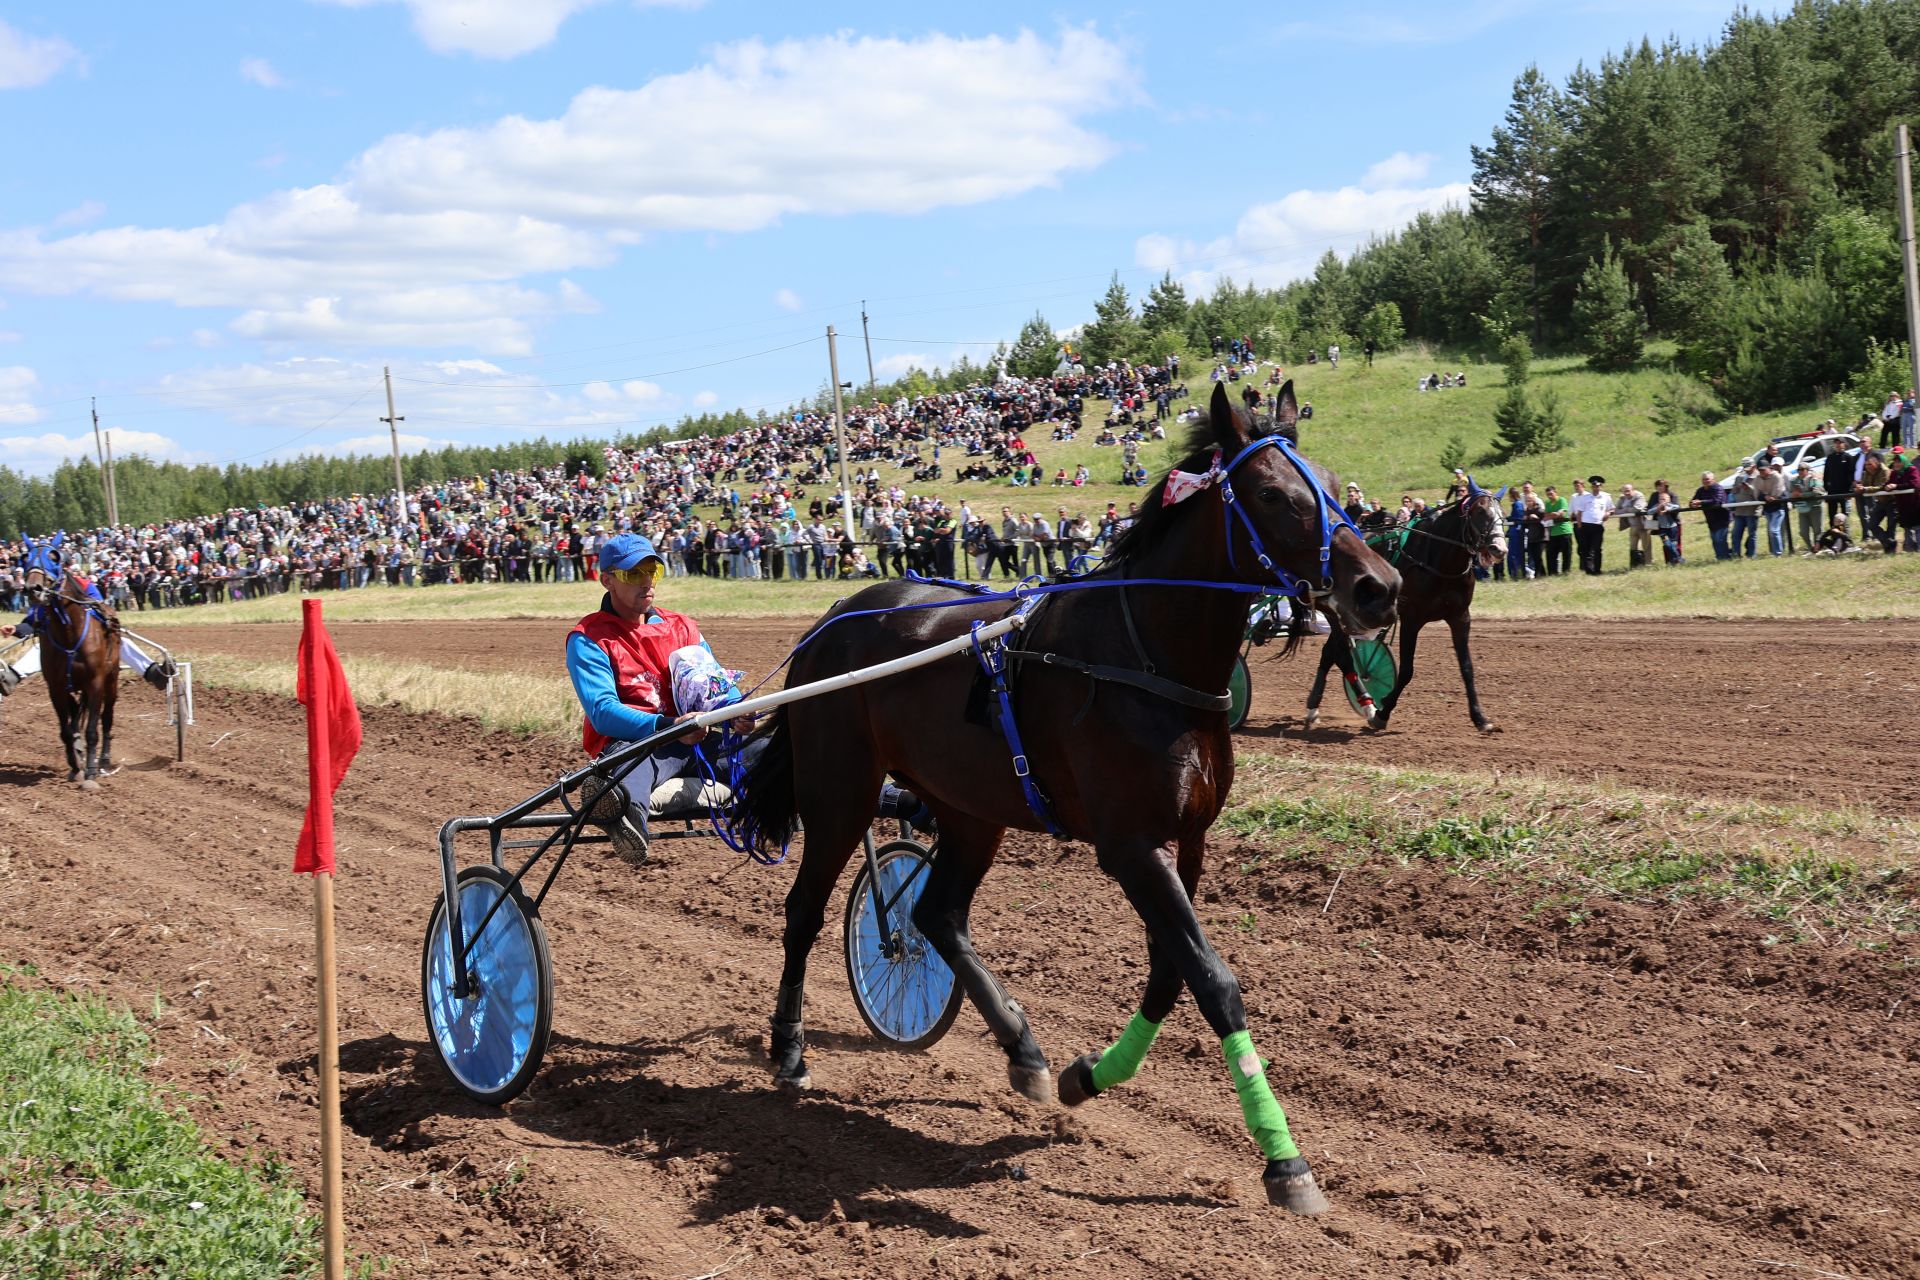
x=1119, y=1063
x=1265, y=1120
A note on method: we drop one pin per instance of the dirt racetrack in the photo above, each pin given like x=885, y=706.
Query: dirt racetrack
x=1644, y=1094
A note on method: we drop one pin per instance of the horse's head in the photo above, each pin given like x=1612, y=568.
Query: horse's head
x=1485, y=531
x=42, y=569
x=1286, y=512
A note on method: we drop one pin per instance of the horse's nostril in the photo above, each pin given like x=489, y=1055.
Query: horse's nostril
x=1374, y=596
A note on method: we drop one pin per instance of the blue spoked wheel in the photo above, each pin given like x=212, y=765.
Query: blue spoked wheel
x=905, y=993
x=492, y=1041
x=1240, y=690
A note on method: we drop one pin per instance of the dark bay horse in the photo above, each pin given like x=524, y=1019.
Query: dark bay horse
x=1140, y=775
x=1436, y=574
x=80, y=661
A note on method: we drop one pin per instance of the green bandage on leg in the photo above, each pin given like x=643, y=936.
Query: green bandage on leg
x=1265, y=1120
x=1119, y=1063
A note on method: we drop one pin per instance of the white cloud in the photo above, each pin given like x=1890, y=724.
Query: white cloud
x=1280, y=241
x=895, y=366
x=1397, y=170
x=383, y=444
x=206, y=339
x=16, y=394
x=81, y=214
x=495, y=28
x=643, y=392
x=705, y=399
x=787, y=300
x=37, y=455
x=27, y=61
x=422, y=242
x=259, y=71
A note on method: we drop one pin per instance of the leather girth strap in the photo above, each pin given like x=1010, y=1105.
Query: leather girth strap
x=1159, y=686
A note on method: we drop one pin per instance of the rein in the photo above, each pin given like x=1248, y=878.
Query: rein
x=1473, y=552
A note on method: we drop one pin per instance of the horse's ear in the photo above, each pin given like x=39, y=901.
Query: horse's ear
x=1286, y=413
x=1228, y=429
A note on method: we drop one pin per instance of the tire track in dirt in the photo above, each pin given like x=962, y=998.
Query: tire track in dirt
x=1643, y=1094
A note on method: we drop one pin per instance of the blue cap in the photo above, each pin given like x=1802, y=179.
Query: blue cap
x=626, y=551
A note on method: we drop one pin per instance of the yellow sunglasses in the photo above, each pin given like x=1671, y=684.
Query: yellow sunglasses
x=639, y=577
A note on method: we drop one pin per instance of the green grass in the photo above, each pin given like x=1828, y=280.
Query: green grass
x=1858, y=587
x=1816, y=871
x=102, y=1175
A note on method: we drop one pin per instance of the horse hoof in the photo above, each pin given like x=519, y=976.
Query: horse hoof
x=1076, y=1082
x=1313, y=716
x=1290, y=1186
x=73, y=775
x=798, y=1083
x=89, y=785
x=1032, y=1083
x=1489, y=727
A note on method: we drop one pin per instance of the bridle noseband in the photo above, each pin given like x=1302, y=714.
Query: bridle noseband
x=1332, y=518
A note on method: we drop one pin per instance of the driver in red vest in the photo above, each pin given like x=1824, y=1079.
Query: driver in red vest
x=618, y=658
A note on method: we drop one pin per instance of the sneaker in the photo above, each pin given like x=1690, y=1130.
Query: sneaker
x=9, y=679
x=606, y=805
x=159, y=675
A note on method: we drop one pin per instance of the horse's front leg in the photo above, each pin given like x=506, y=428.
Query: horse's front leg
x=967, y=848
x=93, y=738
x=108, y=700
x=68, y=718
x=1149, y=878
x=1409, y=639
x=1462, y=626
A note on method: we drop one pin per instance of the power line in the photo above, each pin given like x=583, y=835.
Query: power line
x=627, y=377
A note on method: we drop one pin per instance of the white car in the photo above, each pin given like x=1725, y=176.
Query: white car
x=1812, y=448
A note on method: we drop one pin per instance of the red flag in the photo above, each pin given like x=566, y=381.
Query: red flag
x=333, y=737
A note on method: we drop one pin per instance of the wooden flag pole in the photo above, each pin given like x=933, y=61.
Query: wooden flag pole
x=320, y=810
x=330, y=1189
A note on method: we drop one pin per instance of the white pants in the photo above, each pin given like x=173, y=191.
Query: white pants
x=24, y=658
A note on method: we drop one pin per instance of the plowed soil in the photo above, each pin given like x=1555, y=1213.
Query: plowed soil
x=1643, y=1094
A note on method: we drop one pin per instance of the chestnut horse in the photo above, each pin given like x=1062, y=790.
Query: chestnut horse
x=1117, y=701
x=80, y=661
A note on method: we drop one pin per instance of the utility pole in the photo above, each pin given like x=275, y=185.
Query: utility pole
x=1903, y=157
x=113, y=488
x=106, y=473
x=393, y=421
x=872, y=385
x=840, y=435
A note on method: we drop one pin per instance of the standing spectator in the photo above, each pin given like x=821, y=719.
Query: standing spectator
x=1907, y=415
x=1905, y=478
x=1806, y=492
x=1043, y=538
x=1710, y=499
x=1664, y=513
x=1556, y=514
x=1333, y=354
x=1368, y=350
x=1837, y=475
x=1875, y=512
x=1772, y=489
x=1594, y=520
x=1516, y=532
x=1029, y=548
x=1744, y=497
x=1632, y=510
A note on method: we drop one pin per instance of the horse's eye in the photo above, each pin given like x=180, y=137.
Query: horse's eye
x=1270, y=494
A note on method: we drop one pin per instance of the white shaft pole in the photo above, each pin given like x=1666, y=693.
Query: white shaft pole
x=767, y=702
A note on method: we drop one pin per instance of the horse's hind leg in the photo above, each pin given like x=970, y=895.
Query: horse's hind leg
x=93, y=740
x=830, y=840
x=967, y=847
x=106, y=732
x=1462, y=627
x=1148, y=877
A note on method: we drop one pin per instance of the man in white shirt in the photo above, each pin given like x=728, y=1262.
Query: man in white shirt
x=1593, y=523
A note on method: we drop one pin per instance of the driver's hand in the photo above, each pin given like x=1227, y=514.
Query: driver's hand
x=741, y=724
x=694, y=732
x=6, y=630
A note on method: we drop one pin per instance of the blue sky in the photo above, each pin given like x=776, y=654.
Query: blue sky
x=582, y=217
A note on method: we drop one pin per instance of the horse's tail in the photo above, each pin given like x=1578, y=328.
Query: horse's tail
x=765, y=803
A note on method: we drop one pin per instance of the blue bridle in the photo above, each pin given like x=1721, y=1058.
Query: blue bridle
x=1332, y=518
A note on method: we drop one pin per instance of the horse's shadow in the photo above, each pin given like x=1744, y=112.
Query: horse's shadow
x=1298, y=731
x=22, y=775
x=774, y=1152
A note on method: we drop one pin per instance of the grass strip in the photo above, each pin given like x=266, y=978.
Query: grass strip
x=1847, y=871
x=511, y=701
x=102, y=1175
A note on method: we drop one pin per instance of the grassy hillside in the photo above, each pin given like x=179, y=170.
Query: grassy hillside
x=1374, y=426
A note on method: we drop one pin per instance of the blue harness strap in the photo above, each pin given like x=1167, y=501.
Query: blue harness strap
x=993, y=661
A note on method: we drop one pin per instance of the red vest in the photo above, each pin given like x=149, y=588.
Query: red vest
x=639, y=653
